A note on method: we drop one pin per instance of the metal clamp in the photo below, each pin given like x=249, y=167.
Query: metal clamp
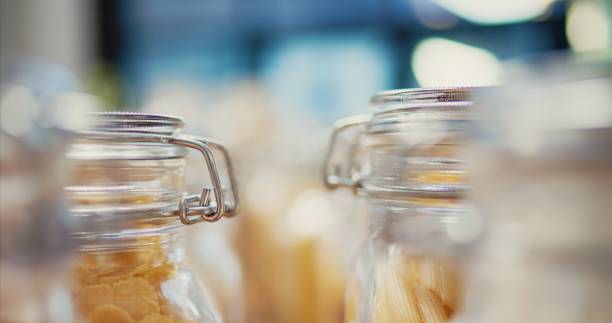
x=200, y=205
x=333, y=172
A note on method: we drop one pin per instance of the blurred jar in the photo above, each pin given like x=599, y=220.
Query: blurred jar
x=546, y=138
x=291, y=242
x=404, y=159
x=128, y=192
x=34, y=251
x=292, y=257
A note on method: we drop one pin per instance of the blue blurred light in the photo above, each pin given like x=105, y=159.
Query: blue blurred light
x=328, y=75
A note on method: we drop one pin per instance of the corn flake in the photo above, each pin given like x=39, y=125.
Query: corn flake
x=90, y=297
x=137, y=306
x=155, y=318
x=135, y=287
x=109, y=314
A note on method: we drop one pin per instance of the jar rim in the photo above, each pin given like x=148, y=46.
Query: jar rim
x=400, y=97
x=115, y=135
x=135, y=122
x=401, y=109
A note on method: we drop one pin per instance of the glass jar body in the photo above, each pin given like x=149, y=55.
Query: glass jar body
x=408, y=269
x=413, y=179
x=217, y=265
x=131, y=266
x=143, y=279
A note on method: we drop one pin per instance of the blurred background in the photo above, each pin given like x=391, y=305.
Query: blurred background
x=269, y=78
x=322, y=58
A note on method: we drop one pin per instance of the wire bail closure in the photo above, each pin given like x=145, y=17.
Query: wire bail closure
x=194, y=208
x=201, y=205
x=345, y=174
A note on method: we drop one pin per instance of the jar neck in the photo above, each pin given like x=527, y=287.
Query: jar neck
x=413, y=142
x=100, y=185
x=115, y=195
x=432, y=168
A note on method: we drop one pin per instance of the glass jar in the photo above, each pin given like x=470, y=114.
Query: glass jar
x=546, y=253
x=128, y=192
x=34, y=222
x=404, y=160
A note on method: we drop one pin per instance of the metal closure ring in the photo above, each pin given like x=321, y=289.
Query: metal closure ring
x=333, y=172
x=198, y=207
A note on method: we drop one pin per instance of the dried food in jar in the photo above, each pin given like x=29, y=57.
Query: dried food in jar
x=415, y=289
x=125, y=286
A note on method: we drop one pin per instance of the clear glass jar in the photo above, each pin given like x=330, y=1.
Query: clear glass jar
x=34, y=222
x=404, y=160
x=546, y=138
x=127, y=189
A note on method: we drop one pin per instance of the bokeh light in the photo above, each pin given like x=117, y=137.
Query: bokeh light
x=443, y=62
x=496, y=11
x=587, y=26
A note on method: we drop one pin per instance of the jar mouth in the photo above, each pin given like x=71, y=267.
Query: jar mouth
x=117, y=136
x=135, y=122
x=409, y=110
x=420, y=96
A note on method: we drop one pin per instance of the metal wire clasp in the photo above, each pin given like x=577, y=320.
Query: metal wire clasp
x=344, y=174
x=200, y=205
